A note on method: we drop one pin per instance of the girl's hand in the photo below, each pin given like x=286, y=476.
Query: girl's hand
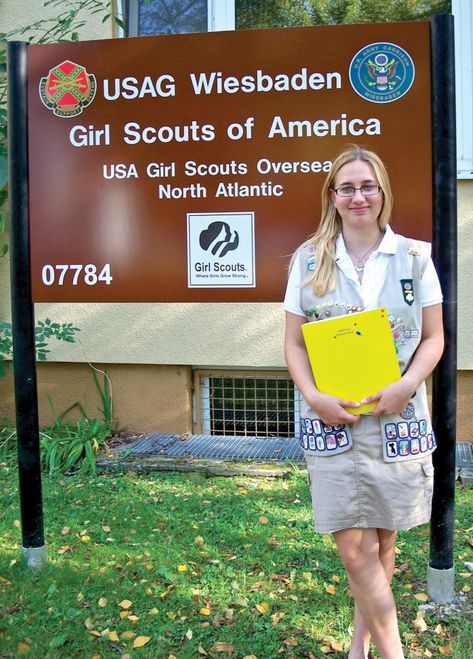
x=332, y=410
x=393, y=399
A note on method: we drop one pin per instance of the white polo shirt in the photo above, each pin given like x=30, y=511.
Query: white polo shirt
x=374, y=274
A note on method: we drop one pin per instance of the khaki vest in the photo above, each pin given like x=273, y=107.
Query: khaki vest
x=405, y=436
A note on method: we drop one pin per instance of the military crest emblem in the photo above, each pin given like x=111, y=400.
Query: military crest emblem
x=382, y=72
x=67, y=89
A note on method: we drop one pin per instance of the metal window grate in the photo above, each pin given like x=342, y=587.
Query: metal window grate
x=248, y=405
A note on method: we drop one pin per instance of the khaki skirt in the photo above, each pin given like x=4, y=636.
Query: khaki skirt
x=357, y=489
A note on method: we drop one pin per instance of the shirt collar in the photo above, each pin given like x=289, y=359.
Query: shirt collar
x=388, y=245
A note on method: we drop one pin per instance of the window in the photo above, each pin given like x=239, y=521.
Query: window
x=177, y=16
x=256, y=405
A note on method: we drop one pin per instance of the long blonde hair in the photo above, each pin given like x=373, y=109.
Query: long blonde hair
x=324, y=239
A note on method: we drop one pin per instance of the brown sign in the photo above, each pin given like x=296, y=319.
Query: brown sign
x=189, y=167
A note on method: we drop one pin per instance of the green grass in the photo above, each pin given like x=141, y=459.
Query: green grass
x=225, y=567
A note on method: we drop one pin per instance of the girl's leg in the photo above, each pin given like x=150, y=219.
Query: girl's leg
x=360, y=553
x=360, y=644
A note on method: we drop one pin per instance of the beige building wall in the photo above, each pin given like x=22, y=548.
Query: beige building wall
x=16, y=14
x=151, y=398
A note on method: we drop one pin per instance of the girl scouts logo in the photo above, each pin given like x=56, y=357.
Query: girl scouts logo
x=67, y=89
x=382, y=72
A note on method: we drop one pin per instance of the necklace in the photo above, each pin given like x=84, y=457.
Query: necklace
x=360, y=261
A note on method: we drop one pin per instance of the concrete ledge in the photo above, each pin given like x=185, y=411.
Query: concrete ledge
x=204, y=467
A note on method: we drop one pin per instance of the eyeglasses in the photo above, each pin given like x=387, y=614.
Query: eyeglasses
x=366, y=190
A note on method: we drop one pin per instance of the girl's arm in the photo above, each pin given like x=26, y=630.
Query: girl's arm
x=395, y=397
x=330, y=409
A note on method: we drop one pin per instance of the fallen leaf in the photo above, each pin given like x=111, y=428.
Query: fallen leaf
x=420, y=624
x=199, y=540
x=439, y=630
x=113, y=636
x=220, y=646
x=154, y=611
x=17, y=523
x=421, y=597
x=85, y=538
x=204, y=611
x=276, y=617
x=330, y=589
x=125, y=604
x=181, y=568
x=128, y=635
x=291, y=641
x=140, y=641
x=445, y=650
x=263, y=607
x=166, y=593
x=88, y=624
x=103, y=602
x=65, y=530
x=336, y=578
x=337, y=646
x=466, y=589
x=106, y=529
x=263, y=520
x=428, y=653
x=189, y=634
x=23, y=648
x=201, y=651
x=325, y=649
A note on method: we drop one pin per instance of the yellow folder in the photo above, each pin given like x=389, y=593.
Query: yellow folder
x=352, y=356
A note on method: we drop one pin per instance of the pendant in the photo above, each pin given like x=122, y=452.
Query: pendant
x=358, y=267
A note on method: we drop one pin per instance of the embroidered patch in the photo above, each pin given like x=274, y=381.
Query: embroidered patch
x=311, y=263
x=408, y=413
x=411, y=334
x=404, y=439
x=415, y=250
x=407, y=290
x=316, y=436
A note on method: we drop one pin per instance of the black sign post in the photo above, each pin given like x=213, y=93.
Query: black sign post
x=23, y=325
x=440, y=582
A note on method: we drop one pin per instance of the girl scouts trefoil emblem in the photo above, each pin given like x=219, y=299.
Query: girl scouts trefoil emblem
x=67, y=89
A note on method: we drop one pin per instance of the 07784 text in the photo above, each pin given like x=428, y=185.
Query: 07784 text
x=76, y=274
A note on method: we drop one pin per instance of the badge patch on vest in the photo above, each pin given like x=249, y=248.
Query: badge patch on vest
x=323, y=439
x=407, y=290
x=408, y=438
